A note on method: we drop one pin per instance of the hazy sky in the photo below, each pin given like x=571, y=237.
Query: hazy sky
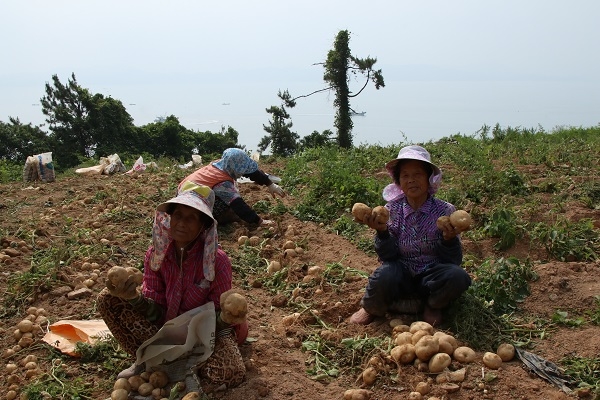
x=449, y=66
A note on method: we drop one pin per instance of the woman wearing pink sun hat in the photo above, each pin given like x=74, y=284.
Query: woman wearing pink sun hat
x=184, y=269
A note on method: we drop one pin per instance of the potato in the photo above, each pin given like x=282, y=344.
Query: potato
x=135, y=382
x=273, y=267
x=234, y=307
x=159, y=393
x=415, y=396
x=289, y=253
x=10, y=368
x=464, y=354
x=445, y=347
x=423, y=387
x=441, y=221
x=444, y=337
x=145, y=389
x=369, y=375
x=382, y=215
x=25, y=326
x=117, y=275
x=158, y=379
x=421, y=366
x=191, y=396
x=458, y=375
x=119, y=394
x=357, y=394
x=426, y=347
x=122, y=383
x=397, y=322
x=461, y=220
x=289, y=320
x=402, y=338
x=242, y=240
x=289, y=245
x=492, y=360
x=416, y=336
x=138, y=276
x=403, y=354
x=438, y=362
x=315, y=270
x=506, y=351
x=361, y=211
x=253, y=240
x=421, y=326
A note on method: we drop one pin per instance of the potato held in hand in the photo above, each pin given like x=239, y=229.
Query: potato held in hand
x=382, y=215
x=123, y=282
x=459, y=219
x=361, y=211
x=234, y=307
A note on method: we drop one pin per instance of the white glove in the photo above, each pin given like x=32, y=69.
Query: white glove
x=275, y=189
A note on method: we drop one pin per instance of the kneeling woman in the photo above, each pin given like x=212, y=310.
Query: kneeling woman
x=184, y=268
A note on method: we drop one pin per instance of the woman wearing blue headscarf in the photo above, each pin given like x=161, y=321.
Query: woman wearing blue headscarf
x=221, y=176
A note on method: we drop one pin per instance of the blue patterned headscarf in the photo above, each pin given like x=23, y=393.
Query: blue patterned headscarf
x=236, y=163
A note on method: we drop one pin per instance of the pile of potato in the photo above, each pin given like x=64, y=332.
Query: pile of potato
x=146, y=384
x=26, y=368
x=429, y=352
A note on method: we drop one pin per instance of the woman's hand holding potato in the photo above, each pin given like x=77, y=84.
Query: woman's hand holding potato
x=123, y=282
x=378, y=218
x=459, y=221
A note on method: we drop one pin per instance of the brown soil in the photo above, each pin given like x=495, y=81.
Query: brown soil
x=49, y=214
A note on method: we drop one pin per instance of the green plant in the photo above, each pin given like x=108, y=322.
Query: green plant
x=585, y=372
x=594, y=313
x=503, y=283
x=562, y=317
x=503, y=224
x=570, y=241
x=335, y=273
x=10, y=171
x=58, y=385
x=331, y=358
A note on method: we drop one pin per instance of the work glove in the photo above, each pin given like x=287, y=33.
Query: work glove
x=275, y=189
x=123, y=282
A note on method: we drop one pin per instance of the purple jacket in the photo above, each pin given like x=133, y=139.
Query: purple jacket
x=413, y=237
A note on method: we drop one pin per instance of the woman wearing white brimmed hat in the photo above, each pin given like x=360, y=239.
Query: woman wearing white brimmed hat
x=419, y=261
x=184, y=268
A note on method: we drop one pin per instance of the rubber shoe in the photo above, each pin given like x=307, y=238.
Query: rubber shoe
x=361, y=317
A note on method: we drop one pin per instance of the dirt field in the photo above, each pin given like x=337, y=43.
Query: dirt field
x=49, y=215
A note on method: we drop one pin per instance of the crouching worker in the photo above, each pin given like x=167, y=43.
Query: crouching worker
x=419, y=260
x=184, y=270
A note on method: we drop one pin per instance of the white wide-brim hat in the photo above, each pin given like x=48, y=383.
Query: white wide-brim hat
x=411, y=153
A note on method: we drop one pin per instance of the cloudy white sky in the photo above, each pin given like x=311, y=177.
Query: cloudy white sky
x=449, y=66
